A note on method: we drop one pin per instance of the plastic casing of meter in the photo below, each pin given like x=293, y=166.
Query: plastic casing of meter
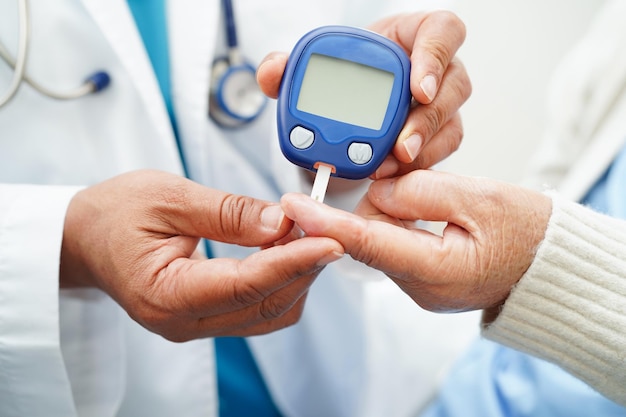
x=332, y=138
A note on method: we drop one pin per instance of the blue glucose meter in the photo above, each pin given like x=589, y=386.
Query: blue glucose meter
x=343, y=99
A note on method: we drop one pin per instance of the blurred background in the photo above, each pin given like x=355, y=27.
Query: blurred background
x=510, y=52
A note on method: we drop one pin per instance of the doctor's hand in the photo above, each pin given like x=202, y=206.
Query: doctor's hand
x=135, y=237
x=439, y=83
x=492, y=233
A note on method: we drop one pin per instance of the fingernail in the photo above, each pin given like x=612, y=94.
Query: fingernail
x=413, y=144
x=429, y=86
x=381, y=190
x=331, y=257
x=387, y=168
x=272, y=217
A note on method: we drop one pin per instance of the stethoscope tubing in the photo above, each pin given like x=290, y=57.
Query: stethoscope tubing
x=98, y=81
x=231, y=26
x=94, y=83
x=19, y=65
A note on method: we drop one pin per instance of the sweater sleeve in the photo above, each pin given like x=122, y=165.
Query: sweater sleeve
x=570, y=306
x=33, y=380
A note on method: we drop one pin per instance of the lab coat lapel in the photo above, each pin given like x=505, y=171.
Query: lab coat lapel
x=116, y=23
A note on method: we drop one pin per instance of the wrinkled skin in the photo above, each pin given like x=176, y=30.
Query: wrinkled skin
x=135, y=237
x=491, y=235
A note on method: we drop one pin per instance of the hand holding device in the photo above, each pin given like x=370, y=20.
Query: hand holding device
x=344, y=98
x=439, y=83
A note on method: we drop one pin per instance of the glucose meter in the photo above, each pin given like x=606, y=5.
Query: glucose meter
x=343, y=99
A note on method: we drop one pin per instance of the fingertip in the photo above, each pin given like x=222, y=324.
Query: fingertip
x=286, y=203
x=424, y=86
x=429, y=87
x=313, y=217
x=297, y=206
x=273, y=218
x=270, y=72
x=407, y=150
x=287, y=197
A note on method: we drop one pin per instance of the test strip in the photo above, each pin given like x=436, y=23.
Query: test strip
x=321, y=182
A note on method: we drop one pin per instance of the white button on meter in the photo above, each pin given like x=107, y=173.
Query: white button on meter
x=301, y=138
x=360, y=153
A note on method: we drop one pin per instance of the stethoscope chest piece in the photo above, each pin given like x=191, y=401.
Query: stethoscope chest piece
x=235, y=98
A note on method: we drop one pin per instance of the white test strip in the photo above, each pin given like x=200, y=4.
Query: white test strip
x=321, y=182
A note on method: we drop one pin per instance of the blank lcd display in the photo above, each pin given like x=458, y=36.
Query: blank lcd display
x=345, y=91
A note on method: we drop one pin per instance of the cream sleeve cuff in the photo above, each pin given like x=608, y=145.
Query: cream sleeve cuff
x=570, y=306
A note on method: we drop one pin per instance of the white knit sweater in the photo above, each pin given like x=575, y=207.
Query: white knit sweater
x=570, y=306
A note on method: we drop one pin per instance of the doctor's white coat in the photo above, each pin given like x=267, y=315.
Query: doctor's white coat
x=362, y=347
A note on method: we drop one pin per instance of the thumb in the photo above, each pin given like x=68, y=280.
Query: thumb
x=189, y=209
x=270, y=73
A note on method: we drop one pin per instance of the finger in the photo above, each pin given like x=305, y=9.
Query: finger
x=218, y=286
x=270, y=73
x=424, y=121
x=379, y=244
x=469, y=203
x=427, y=195
x=444, y=143
x=295, y=234
x=249, y=321
x=367, y=210
x=254, y=320
x=179, y=206
x=441, y=35
x=431, y=40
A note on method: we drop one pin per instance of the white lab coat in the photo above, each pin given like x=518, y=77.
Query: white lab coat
x=362, y=347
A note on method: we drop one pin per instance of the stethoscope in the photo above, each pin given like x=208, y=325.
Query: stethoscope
x=234, y=97
x=94, y=83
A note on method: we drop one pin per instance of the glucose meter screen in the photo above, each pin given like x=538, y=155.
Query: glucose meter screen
x=345, y=91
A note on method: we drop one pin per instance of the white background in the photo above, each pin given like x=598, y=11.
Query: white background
x=510, y=52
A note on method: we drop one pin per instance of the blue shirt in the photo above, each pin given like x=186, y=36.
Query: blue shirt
x=492, y=380
x=241, y=389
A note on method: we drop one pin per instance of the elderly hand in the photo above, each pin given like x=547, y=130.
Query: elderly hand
x=439, y=83
x=134, y=237
x=492, y=233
